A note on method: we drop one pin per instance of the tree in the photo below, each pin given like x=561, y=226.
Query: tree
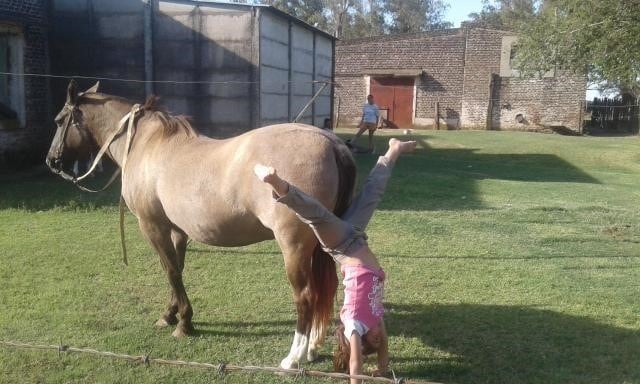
x=348, y=19
x=310, y=11
x=329, y=15
x=337, y=12
x=504, y=14
x=416, y=15
x=596, y=37
x=367, y=20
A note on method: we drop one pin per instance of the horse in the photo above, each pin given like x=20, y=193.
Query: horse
x=181, y=185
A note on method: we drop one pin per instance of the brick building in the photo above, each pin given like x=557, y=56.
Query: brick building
x=24, y=101
x=463, y=76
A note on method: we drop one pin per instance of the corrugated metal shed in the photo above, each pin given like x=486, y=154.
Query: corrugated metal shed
x=230, y=66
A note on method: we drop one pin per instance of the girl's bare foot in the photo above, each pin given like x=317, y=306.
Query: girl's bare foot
x=397, y=147
x=270, y=176
x=263, y=172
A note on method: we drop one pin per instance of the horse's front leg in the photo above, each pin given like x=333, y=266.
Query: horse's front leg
x=171, y=246
x=179, y=240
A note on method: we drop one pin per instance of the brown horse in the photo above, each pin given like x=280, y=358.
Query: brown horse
x=182, y=185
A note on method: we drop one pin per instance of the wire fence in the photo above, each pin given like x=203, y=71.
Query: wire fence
x=220, y=368
x=613, y=115
x=420, y=86
x=125, y=80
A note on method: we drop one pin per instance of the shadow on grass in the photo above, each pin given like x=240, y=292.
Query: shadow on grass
x=515, y=344
x=446, y=178
x=38, y=189
x=243, y=328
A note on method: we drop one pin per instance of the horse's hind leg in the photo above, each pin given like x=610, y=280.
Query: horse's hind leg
x=179, y=240
x=297, y=247
x=162, y=238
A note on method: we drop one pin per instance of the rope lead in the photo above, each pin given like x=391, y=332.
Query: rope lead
x=221, y=368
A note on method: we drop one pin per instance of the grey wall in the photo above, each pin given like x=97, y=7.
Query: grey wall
x=324, y=69
x=274, y=69
x=97, y=38
x=209, y=43
x=244, y=66
x=292, y=56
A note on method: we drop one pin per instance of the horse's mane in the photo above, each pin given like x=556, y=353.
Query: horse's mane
x=171, y=125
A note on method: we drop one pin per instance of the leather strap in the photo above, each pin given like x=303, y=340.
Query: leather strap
x=129, y=117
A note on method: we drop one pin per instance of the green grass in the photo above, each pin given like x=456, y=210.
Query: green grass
x=511, y=258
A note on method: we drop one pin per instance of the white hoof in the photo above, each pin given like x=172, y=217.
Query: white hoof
x=298, y=352
x=179, y=333
x=312, y=354
x=289, y=363
x=162, y=323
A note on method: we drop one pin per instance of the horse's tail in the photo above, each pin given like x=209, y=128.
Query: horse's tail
x=324, y=281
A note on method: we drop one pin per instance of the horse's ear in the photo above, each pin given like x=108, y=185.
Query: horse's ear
x=72, y=92
x=93, y=89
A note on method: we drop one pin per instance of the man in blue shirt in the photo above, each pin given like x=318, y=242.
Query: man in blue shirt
x=369, y=121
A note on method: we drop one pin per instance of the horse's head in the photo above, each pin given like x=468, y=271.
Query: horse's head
x=72, y=140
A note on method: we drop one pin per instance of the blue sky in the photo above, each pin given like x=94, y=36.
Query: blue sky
x=460, y=9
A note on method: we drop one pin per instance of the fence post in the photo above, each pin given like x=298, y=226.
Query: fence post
x=436, y=117
x=492, y=91
x=581, y=116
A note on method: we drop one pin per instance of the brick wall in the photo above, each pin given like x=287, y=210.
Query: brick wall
x=349, y=99
x=542, y=103
x=482, y=59
x=27, y=145
x=443, y=63
x=457, y=69
x=439, y=55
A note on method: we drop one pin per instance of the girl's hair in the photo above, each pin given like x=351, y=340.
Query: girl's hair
x=342, y=354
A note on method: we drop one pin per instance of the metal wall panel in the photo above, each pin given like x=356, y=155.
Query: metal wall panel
x=97, y=38
x=210, y=45
x=274, y=69
x=292, y=56
x=302, y=72
x=323, y=60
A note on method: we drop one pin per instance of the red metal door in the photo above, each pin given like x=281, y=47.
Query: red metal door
x=382, y=96
x=396, y=94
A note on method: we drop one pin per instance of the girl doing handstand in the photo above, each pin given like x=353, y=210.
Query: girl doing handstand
x=362, y=331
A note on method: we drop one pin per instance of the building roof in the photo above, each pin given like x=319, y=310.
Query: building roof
x=437, y=33
x=266, y=7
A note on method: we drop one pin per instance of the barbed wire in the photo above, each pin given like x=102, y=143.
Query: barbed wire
x=220, y=368
x=607, y=106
